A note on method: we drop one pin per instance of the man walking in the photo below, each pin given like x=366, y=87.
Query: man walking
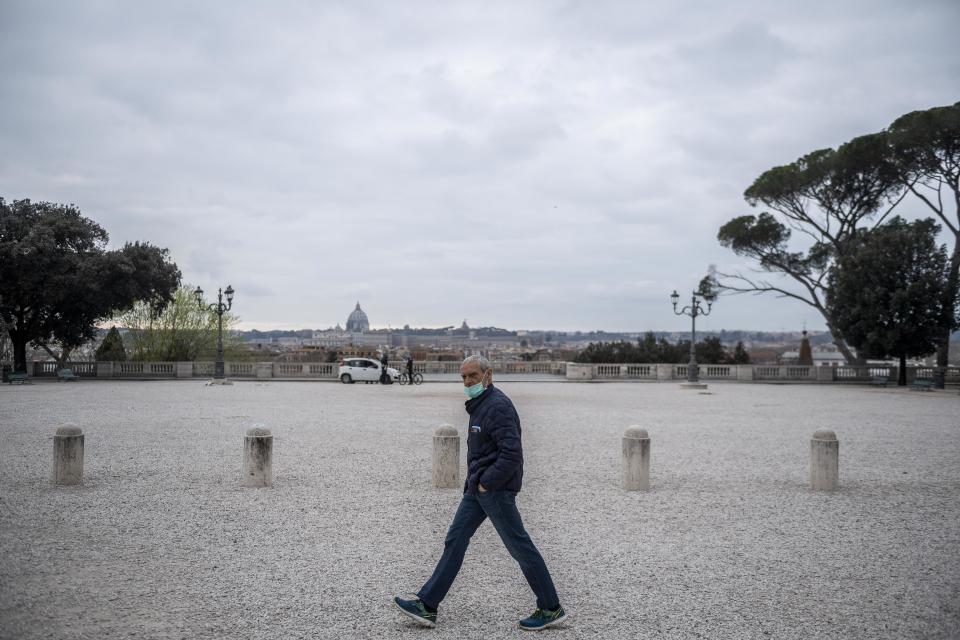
x=494, y=475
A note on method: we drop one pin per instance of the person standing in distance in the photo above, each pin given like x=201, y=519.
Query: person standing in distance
x=384, y=376
x=494, y=476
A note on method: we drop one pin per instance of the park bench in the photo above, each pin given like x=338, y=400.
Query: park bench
x=18, y=377
x=879, y=381
x=922, y=384
x=66, y=375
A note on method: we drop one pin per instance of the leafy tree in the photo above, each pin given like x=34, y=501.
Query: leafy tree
x=670, y=353
x=621, y=351
x=57, y=280
x=740, y=355
x=182, y=332
x=711, y=351
x=825, y=195
x=111, y=349
x=925, y=147
x=886, y=292
x=649, y=350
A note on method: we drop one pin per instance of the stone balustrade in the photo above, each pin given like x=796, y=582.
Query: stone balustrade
x=571, y=371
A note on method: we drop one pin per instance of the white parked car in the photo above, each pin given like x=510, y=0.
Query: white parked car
x=363, y=370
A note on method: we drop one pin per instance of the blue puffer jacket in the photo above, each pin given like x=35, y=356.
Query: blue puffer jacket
x=494, y=452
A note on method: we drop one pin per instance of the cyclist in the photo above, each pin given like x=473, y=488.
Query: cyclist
x=410, y=368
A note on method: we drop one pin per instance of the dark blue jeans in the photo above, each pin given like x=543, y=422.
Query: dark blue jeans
x=501, y=508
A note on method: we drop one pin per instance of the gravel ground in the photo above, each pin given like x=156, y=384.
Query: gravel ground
x=161, y=541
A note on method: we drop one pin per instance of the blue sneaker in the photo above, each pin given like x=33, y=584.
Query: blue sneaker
x=543, y=618
x=416, y=610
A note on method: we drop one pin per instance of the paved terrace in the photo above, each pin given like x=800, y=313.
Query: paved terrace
x=161, y=542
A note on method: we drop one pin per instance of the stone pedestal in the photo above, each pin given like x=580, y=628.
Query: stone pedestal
x=446, y=458
x=636, y=459
x=824, y=374
x=264, y=370
x=579, y=371
x=745, y=372
x=184, y=369
x=103, y=369
x=257, y=458
x=824, y=461
x=68, y=455
x=664, y=371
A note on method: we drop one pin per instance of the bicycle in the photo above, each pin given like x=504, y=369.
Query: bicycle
x=405, y=379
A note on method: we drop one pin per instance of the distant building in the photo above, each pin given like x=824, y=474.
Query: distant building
x=819, y=357
x=357, y=322
x=329, y=339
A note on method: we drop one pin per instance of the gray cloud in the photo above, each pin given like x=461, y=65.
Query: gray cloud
x=521, y=164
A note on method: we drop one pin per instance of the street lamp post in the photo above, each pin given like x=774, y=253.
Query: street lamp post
x=695, y=309
x=218, y=308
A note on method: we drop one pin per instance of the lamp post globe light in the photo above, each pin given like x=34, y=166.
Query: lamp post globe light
x=218, y=308
x=695, y=309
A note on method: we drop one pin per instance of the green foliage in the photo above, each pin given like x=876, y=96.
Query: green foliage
x=825, y=196
x=754, y=236
x=621, y=351
x=649, y=349
x=710, y=351
x=886, y=292
x=740, y=355
x=829, y=194
x=182, y=332
x=111, y=349
x=826, y=193
x=925, y=148
x=57, y=280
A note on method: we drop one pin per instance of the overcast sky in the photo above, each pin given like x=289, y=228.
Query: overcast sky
x=557, y=165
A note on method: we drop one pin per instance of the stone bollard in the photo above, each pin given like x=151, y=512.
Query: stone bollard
x=446, y=458
x=636, y=459
x=257, y=458
x=68, y=455
x=824, y=461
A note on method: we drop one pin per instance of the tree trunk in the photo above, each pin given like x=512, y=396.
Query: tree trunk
x=19, y=350
x=902, y=375
x=840, y=342
x=60, y=358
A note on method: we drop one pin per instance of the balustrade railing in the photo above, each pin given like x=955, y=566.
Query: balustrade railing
x=83, y=369
x=849, y=373
x=240, y=369
x=447, y=369
x=640, y=371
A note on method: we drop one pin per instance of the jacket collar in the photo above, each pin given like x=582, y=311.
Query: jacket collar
x=472, y=404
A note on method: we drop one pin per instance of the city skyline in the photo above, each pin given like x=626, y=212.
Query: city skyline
x=374, y=327
x=515, y=164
